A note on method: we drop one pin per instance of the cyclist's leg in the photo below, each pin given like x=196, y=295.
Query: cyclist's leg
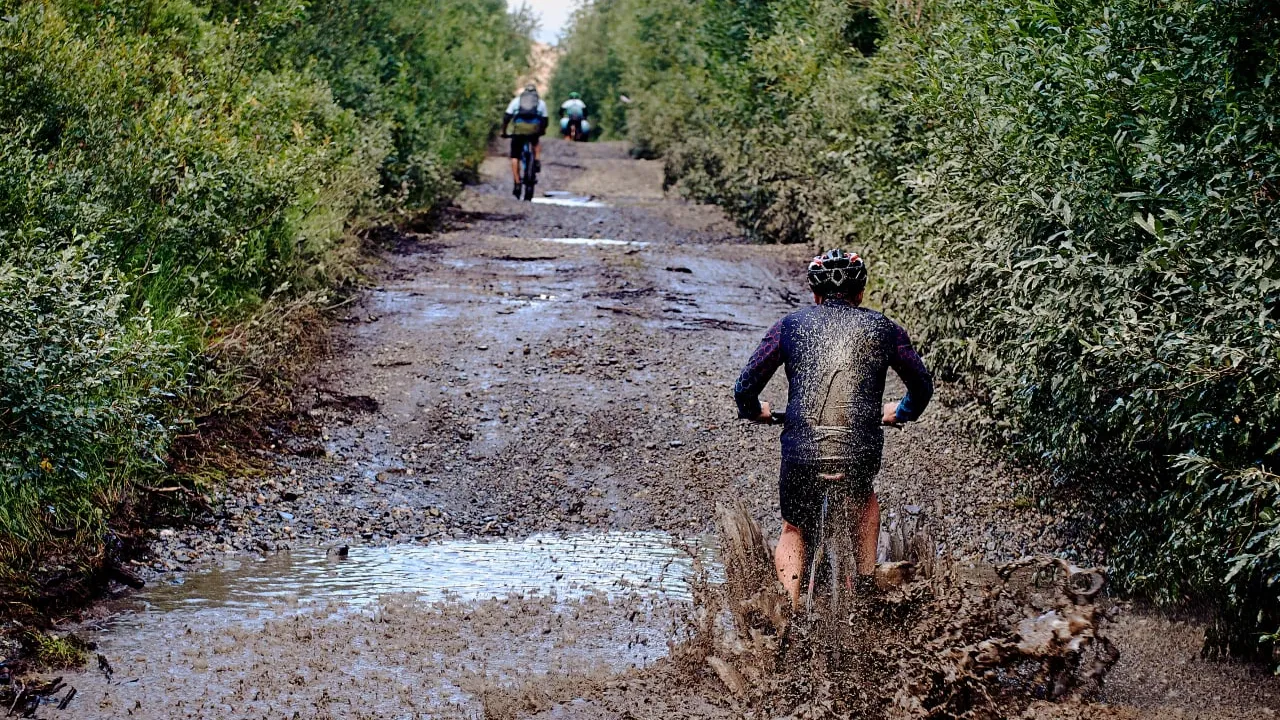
x=800, y=499
x=862, y=513
x=788, y=560
x=868, y=535
x=516, y=146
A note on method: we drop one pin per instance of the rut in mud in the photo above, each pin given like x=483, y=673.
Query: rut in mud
x=560, y=373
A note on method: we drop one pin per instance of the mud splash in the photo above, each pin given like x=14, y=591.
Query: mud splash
x=952, y=643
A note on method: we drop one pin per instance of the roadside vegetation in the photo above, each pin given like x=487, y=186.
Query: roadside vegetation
x=1072, y=203
x=176, y=177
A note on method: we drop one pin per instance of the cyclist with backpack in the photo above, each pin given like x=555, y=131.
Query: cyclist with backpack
x=527, y=116
x=837, y=354
x=573, y=117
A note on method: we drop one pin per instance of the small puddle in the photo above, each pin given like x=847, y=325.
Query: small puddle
x=615, y=563
x=568, y=199
x=595, y=241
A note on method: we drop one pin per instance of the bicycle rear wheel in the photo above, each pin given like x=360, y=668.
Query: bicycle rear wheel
x=529, y=175
x=841, y=555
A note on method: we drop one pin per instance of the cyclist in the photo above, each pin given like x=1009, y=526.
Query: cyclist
x=527, y=114
x=837, y=354
x=573, y=115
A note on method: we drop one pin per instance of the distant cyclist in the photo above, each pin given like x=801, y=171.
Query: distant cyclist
x=527, y=116
x=573, y=117
x=837, y=355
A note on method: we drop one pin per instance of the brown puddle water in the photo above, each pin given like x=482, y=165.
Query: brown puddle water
x=568, y=566
x=402, y=631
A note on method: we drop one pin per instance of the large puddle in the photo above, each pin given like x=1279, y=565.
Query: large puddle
x=568, y=566
x=404, y=631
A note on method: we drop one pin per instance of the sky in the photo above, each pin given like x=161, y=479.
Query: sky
x=554, y=15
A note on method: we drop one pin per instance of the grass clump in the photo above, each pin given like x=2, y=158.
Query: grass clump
x=50, y=652
x=1072, y=203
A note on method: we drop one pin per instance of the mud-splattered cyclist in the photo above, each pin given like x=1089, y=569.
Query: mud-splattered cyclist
x=837, y=355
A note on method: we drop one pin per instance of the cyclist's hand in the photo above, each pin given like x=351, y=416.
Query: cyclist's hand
x=504, y=136
x=766, y=414
x=890, y=415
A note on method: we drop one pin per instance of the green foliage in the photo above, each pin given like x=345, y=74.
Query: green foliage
x=1072, y=204
x=81, y=385
x=618, y=48
x=408, y=64
x=165, y=168
x=56, y=653
x=590, y=67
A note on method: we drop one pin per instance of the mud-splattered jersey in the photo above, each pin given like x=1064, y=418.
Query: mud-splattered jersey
x=837, y=356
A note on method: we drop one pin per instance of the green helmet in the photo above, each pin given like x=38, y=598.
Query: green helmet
x=574, y=96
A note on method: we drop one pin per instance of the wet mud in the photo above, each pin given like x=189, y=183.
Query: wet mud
x=545, y=372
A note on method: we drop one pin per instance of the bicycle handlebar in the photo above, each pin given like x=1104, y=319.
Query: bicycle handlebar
x=779, y=417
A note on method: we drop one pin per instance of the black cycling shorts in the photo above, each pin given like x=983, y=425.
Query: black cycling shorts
x=517, y=144
x=801, y=487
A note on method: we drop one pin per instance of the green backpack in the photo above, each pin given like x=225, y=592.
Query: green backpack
x=527, y=121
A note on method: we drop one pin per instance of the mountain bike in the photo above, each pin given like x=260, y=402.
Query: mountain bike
x=575, y=129
x=830, y=565
x=528, y=170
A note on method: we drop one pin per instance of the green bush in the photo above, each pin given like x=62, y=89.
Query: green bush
x=1071, y=202
x=434, y=73
x=165, y=168
x=1101, y=257
x=82, y=386
x=589, y=66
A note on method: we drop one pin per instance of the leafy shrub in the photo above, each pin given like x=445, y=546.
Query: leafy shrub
x=589, y=66
x=165, y=169
x=435, y=73
x=82, y=386
x=1101, y=246
x=1072, y=202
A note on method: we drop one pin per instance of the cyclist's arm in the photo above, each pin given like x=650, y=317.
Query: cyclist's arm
x=907, y=363
x=506, y=120
x=764, y=362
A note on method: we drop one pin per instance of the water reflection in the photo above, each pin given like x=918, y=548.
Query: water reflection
x=573, y=565
x=567, y=199
x=594, y=241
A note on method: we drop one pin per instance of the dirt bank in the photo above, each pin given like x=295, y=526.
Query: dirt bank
x=517, y=375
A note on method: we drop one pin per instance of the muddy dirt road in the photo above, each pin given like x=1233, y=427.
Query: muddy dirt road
x=552, y=379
